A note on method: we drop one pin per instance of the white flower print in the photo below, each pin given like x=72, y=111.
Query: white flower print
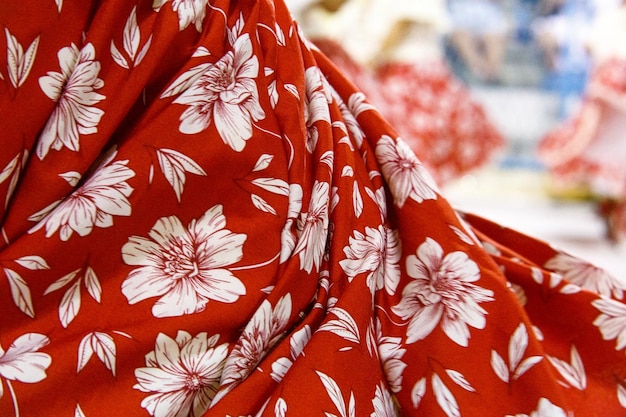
x=442, y=291
x=586, y=275
x=313, y=228
x=185, y=267
x=405, y=174
x=227, y=94
x=391, y=352
x=182, y=374
x=316, y=105
x=189, y=12
x=23, y=362
x=612, y=321
x=376, y=252
x=262, y=332
x=102, y=196
x=74, y=91
x=383, y=403
x=545, y=409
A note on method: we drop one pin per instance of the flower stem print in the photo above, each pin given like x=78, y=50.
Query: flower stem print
x=131, y=39
x=24, y=363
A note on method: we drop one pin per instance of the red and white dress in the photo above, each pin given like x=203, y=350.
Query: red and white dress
x=201, y=216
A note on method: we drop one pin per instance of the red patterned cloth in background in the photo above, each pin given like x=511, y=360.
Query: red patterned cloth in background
x=203, y=217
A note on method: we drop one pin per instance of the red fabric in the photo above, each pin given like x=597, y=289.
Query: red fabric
x=205, y=218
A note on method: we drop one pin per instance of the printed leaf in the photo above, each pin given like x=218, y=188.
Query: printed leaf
x=418, y=391
x=621, y=395
x=41, y=214
x=569, y=289
x=34, y=263
x=72, y=177
x=200, y=52
x=299, y=340
x=273, y=185
x=517, y=346
x=104, y=347
x=19, y=63
x=526, y=364
x=357, y=103
x=273, y=93
x=280, y=409
x=499, y=366
x=93, y=284
x=537, y=275
x=462, y=235
x=174, y=165
x=345, y=327
x=59, y=7
x=79, y=411
x=85, y=351
x=131, y=35
x=61, y=282
x=444, y=397
x=185, y=80
x=263, y=162
x=144, y=51
x=8, y=170
x=347, y=171
x=293, y=90
x=262, y=204
x=70, y=304
x=357, y=200
x=118, y=57
x=460, y=380
x=20, y=293
x=334, y=392
x=328, y=158
x=574, y=374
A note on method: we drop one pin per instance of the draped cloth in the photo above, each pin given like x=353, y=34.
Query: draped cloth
x=201, y=216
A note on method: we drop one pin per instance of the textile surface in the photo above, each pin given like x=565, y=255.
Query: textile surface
x=203, y=217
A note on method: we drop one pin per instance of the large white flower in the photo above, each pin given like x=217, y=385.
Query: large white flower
x=612, y=321
x=313, y=228
x=586, y=275
x=442, y=292
x=262, y=332
x=189, y=12
x=184, y=266
x=227, y=94
x=182, y=374
x=104, y=195
x=74, y=91
x=405, y=174
x=376, y=252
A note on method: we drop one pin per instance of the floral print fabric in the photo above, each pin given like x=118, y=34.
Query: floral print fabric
x=201, y=216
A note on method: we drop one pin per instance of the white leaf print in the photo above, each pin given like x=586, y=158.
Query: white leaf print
x=280, y=368
x=418, y=391
x=8, y=170
x=462, y=235
x=19, y=63
x=444, y=397
x=460, y=380
x=517, y=346
x=131, y=35
x=43, y=213
x=347, y=171
x=118, y=57
x=262, y=204
x=334, y=392
x=352, y=406
x=357, y=103
x=537, y=275
x=144, y=51
x=185, y=80
x=526, y=364
x=93, y=284
x=263, y=162
x=85, y=351
x=299, y=340
x=621, y=394
x=200, y=52
x=328, y=159
x=272, y=185
x=174, y=165
x=574, y=374
x=104, y=347
x=151, y=174
x=79, y=411
x=280, y=409
x=357, y=200
x=72, y=177
x=273, y=93
x=499, y=366
x=293, y=90
x=345, y=327
x=20, y=293
x=70, y=304
x=61, y=282
x=280, y=35
x=34, y=263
